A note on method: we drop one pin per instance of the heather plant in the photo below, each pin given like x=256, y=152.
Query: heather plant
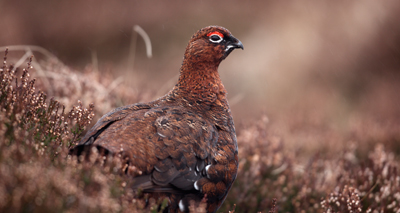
x=346, y=199
x=28, y=116
x=35, y=134
x=343, y=182
x=37, y=174
x=359, y=174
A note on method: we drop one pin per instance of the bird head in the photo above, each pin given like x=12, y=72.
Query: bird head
x=211, y=44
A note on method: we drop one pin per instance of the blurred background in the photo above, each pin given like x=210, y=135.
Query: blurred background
x=313, y=66
x=315, y=94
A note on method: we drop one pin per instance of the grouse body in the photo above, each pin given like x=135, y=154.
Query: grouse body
x=184, y=143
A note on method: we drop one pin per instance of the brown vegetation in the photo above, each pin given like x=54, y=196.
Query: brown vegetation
x=325, y=74
x=356, y=173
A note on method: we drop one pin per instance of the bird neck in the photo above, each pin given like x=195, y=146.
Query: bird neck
x=200, y=82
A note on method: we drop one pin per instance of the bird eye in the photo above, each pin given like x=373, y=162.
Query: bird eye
x=215, y=38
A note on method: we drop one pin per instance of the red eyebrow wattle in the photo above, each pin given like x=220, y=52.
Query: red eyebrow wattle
x=216, y=33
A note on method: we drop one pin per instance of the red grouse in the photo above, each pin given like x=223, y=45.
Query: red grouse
x=184, y=143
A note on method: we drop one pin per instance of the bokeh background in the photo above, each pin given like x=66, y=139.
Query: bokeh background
x=321, y=74
x=323, y=62
x=293, y=50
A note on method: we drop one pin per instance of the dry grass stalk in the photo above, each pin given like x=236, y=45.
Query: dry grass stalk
x=36, y=174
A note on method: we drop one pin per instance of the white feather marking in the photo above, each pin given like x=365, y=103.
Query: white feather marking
x=196, y=186
x=161, y=135
x=229, y=47
x=207, y=167
x=181, y=206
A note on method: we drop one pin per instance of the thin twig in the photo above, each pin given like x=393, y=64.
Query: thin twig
x=95, y=61
x=30, y=47
x=22, y=59
x=146, y=39
x=114, y=84
x=132, y=50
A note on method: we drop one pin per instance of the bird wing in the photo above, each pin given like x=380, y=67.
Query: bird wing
x=109, y=118
x=170, y=145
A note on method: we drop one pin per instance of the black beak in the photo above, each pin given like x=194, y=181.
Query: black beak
x=238, y=44
x=233, y=43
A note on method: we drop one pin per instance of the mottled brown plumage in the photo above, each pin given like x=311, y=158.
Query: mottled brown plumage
x=184, y=143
